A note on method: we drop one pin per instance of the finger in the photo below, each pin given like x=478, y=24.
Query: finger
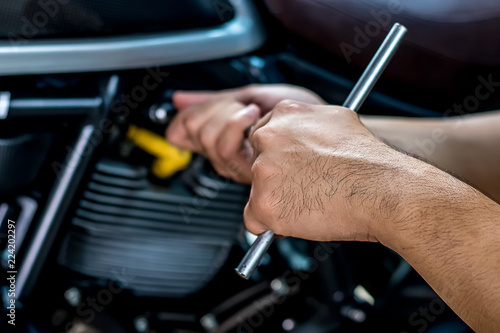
x=177, y=134
x=252, y=222
x=184, y=128
x=260, y=123
x=243, y=95
x=215, y=124
x=208, y=137
x=240, y=168
x=256, y=135
x=206, y=117
x=230, y=143
x=183, y=99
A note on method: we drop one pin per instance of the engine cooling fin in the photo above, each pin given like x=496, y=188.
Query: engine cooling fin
x=170, y=241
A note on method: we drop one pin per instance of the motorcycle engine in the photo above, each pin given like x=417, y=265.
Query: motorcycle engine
x=173, y=239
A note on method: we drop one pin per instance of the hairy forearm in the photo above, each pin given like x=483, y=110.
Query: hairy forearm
x=466, y=146
x=450, y=233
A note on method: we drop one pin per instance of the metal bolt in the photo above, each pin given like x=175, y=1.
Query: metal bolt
x=158, y=113
x=209, y=322
x=73, y=296
x=288, y=324
x=141, y=324
x=280, y=287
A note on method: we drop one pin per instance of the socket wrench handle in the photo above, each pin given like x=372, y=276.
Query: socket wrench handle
x=354, y=101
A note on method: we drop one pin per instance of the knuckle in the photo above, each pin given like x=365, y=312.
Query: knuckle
x=207, y=137
x=287, y=105
x=233, y=121
x=191, y=123
x=262, y=136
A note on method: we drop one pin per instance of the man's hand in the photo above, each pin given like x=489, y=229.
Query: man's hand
x=214, y=123
x=320, y=174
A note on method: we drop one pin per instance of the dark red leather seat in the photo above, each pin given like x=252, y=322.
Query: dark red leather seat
x=448, y=41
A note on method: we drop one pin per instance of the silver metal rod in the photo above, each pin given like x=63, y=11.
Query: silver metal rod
x=357, y=96
x=375, y=68
x=254, y=255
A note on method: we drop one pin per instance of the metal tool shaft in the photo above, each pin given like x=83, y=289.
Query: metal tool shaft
x=357, y=96
x=375, y=68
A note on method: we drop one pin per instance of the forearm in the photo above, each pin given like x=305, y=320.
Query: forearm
x=450, y=233
x=466, y=146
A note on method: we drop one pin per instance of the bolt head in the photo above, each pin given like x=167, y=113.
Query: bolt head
x=73, y=296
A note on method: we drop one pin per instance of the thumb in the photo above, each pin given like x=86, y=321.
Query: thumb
x=183, y=99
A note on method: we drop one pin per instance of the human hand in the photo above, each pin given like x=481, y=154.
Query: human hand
x=319, y=174
x=214, y=123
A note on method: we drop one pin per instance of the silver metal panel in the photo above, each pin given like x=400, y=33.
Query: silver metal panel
x=242, y=34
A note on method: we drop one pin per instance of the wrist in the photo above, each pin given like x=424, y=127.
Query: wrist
x=380, y=193
x=431, y=202
x=405, y=190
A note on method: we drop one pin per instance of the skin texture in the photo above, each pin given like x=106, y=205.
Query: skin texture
x=214, y=123
x=318, y=173
x=465, y=146
x=331, y=179
x=302, y=175
x=217, y=133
